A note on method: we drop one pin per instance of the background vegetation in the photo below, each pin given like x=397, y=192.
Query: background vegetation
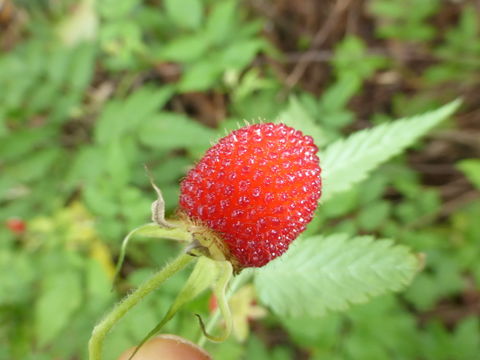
x=90, y=91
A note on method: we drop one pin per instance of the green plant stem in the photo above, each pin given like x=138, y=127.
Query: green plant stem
x=235, y=285
x=102, y=329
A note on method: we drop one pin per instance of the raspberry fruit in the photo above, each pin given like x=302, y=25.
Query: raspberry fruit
x=255, y=190
x=16, y=226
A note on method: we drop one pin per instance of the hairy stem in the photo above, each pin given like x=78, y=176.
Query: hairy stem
x=101, y=330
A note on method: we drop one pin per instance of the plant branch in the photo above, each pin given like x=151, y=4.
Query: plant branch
x=101, y=330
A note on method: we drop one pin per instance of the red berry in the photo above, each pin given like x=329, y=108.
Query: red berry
x=257, y=188
x=212, y=303
x=15, y=225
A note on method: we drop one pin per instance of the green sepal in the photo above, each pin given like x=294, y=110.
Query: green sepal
x=225, y=270
x=149, y=230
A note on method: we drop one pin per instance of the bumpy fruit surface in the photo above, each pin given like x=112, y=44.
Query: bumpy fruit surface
x=257, y=188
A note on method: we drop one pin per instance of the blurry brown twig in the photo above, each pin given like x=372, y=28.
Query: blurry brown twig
x=318, y=40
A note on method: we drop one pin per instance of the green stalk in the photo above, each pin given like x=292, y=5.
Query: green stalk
x=101, y=330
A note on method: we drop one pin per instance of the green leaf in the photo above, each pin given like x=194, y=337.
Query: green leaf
x=466, y=342
x=256, y=349
x=98, y=198
x=121, y=116
x=297, y=117
x=471, y=169
x=61, y=296
x=59, y=59
x=117, y=162
x=330, y=273
x=400, y=22
x=200, y=76
x=81, y=66
x=171, y=130
x=345, y=202
x=187, y=48
x=185, y=13
x=373, y=189
x=17, y=146
x=97, y=284
x=221, y=20
x=15, y=289
x=170, y=169
x=36, y=165
x=335, y=97
x=87, y=166
x=351, y=58
x=239, y=54
x=41, y=98
x=373, y=215
x=112, y=9
x=349, y=161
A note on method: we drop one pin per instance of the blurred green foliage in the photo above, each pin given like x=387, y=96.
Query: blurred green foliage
x=89, y=92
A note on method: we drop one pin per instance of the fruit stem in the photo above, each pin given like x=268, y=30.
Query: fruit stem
x=101, y=330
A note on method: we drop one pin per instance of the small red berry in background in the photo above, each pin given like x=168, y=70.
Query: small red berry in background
x=212, y=303
x=257, y=189
x=16, y=225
